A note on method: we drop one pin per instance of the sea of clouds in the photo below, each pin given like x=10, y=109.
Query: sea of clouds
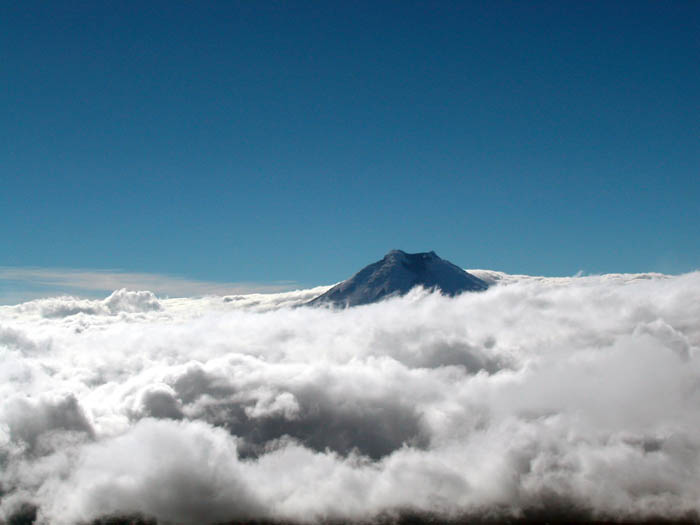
x=565, y=393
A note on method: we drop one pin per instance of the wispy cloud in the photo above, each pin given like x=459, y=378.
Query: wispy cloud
x=23, y=283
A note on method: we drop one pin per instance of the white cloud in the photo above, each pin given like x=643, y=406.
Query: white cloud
x=31, y=283
x=538, y=395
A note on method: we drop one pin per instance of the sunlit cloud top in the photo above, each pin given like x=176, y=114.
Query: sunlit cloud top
x=536, y=395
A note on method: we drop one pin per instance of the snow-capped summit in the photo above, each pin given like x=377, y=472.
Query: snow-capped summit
x=396, y=274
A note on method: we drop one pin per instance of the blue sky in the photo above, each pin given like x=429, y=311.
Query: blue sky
x=276, y=142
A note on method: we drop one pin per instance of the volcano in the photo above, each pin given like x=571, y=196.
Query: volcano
x=396, y=274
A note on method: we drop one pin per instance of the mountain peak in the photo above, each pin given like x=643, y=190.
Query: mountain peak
x=403, y=254
x=397, y=273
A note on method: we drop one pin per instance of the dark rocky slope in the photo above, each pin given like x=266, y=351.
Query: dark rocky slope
x=396, y=274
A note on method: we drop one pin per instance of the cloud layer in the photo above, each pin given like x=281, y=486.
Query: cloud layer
x=580, y=393
x=21, y=284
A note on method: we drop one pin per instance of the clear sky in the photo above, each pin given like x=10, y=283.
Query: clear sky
x=263, y=142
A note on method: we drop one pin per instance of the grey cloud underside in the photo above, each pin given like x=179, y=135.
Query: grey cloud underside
x=569, y=397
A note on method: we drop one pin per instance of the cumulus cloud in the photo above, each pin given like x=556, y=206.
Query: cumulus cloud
x=550, y=395
x=119, y=301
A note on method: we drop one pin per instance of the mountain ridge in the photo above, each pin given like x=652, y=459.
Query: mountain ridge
x=396, y=274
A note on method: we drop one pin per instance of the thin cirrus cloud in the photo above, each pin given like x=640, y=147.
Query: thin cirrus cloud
x=536, y=397
x=27, y=283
